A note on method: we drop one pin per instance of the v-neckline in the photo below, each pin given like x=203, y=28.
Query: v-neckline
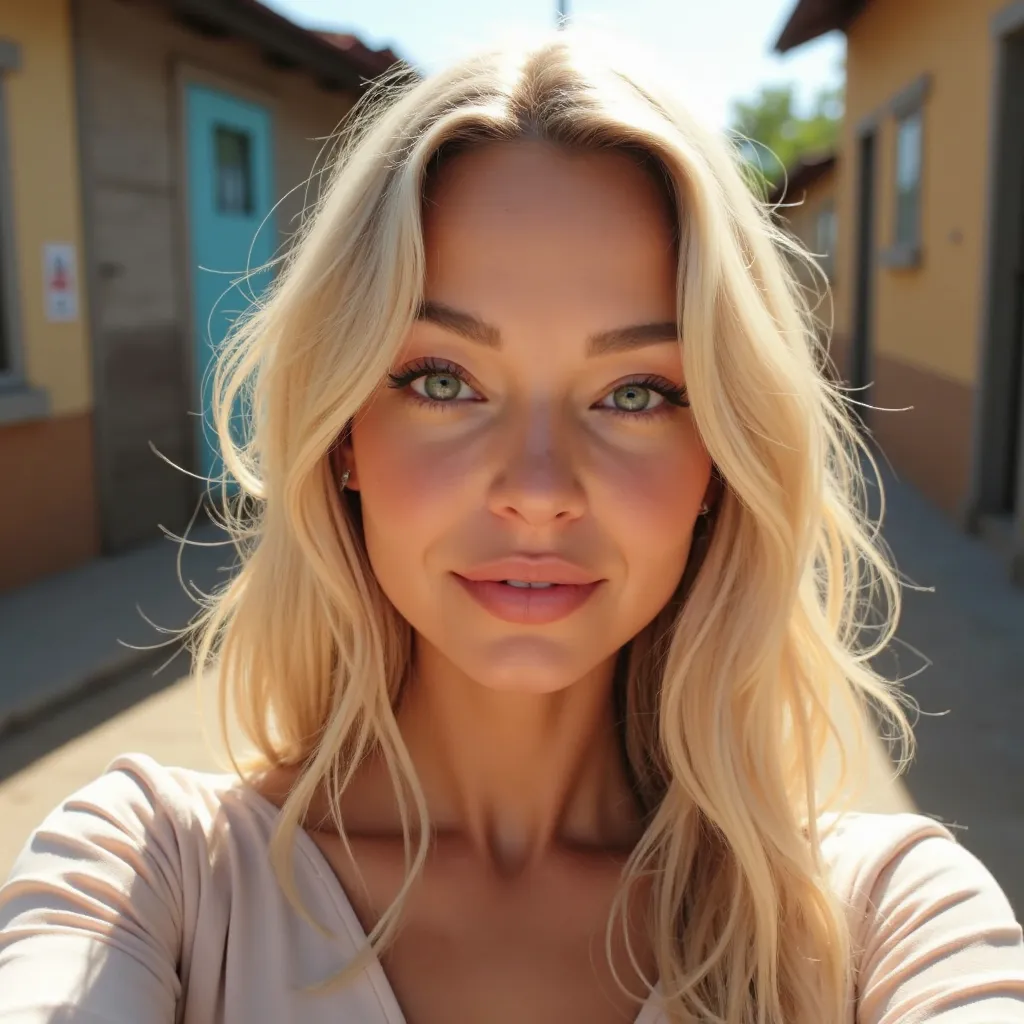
x=375, y=973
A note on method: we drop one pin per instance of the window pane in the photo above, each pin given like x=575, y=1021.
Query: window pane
x=825, y=238
x=907, y=216
x=908, y=151
x=233, y=167
x=825, y=230
x=908, y=179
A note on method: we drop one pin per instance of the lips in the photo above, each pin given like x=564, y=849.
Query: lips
x=532, y=569
x=570, y=587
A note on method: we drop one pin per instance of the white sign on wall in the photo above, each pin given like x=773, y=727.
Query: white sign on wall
x=60, y=282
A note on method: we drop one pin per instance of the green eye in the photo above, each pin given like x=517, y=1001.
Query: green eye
x=441, y=387
x=434, y=382
x=633, y=398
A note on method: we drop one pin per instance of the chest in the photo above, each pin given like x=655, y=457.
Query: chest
x=504, y=973
x=475, y=948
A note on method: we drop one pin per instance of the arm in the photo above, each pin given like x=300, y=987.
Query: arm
x=91, y=916
x=941, y=943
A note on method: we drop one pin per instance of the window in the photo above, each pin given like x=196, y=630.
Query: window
x=233, y=167
x=908, y=181
x=825, y=238
x=907, y=108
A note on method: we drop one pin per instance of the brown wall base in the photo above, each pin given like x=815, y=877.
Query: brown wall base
x=839, y=353
x=48, y=514
x=929, y=444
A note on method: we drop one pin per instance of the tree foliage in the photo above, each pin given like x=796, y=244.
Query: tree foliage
x=774, y=135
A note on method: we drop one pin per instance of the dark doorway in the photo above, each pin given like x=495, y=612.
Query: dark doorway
x=996, y=500
x=860, y=347
x=1010, y=497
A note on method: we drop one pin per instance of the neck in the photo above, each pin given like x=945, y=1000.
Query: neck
x=517, y=773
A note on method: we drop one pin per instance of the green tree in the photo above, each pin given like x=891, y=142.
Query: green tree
x=773, y=135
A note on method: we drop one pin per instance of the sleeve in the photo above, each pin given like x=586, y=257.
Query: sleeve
x=941, y=943
x=90, y=918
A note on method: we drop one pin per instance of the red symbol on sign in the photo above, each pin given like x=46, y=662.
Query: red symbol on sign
x=59, y=281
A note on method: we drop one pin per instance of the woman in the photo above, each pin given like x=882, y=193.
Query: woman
x=546, y=610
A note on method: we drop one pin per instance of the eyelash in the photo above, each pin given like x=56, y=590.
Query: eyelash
x=674, y=396
x=425, y=368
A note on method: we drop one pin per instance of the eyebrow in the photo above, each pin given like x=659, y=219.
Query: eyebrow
x=618, y=339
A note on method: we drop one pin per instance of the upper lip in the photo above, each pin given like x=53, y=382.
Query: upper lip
x=531, y=569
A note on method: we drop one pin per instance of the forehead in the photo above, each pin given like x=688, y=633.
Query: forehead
x=527, y=217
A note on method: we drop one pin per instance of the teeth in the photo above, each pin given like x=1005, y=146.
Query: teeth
x=533, y=586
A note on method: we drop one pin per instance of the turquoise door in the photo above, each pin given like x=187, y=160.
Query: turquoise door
x=230, y=189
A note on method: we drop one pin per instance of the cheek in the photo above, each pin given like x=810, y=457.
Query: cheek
x=410, y=479
x=650, y=501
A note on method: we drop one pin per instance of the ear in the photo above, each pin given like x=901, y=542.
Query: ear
x=342, y=461
x=715, y=490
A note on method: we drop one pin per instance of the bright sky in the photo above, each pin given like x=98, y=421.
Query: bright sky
x=718, y=50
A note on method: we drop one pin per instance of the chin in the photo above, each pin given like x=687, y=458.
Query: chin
x=528, y=664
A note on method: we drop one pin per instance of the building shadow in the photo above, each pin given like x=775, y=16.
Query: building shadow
x=31, y=739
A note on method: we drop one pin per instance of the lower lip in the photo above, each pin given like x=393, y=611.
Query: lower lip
x=534, y=606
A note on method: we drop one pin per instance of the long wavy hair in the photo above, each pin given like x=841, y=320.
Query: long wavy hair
x=734, y=695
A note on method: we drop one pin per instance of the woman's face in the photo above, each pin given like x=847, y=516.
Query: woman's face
x=535, y=427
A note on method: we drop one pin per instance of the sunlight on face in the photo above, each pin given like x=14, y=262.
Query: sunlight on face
x=535, y=426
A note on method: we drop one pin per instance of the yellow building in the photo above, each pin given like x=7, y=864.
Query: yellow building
x=150, y=153
x=48, y=515
x=929, y=266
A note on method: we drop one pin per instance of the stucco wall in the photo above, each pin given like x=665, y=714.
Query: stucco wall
x=43, y=158
x=926, y=320
x=927, y=316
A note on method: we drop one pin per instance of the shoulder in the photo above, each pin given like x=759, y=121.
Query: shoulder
x=931, y=927
x=145, y=884
x=138, y=806
x=98, y=898
x=857, y=847
x=877, y=860
x=137, y=785
x=142, y=842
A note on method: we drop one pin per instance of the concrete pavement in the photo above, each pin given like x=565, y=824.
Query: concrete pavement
x=963, y=645
x=70, y=632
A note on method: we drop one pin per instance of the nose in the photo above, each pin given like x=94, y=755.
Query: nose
x=537, y=482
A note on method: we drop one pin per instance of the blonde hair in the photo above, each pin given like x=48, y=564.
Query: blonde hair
x=733, y=694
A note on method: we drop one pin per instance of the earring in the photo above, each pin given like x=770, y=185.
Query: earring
x=704, y=510
x=344, y=478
